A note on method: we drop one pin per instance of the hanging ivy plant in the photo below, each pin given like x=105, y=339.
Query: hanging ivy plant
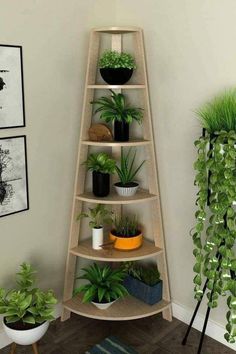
x=214, y=234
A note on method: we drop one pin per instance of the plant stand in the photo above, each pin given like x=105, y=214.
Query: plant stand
x=34, y=347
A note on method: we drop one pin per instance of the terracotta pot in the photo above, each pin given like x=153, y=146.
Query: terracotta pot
x=126, y=243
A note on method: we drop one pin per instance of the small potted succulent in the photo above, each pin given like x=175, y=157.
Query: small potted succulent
x=102, y=166
x=143, y=282
x=116, y=68
x=127, y=186
x=104, y=287
x=126, y=234
x=115, y=109
x=98, y=217
x=26, y=310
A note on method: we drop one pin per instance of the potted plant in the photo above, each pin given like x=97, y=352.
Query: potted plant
x=116, y=68
x=105, y=285
x=126, y=234
x=143, y=282
x=115, y=109
x=214, y=233
x=127, y=186
x=102, y=166
x=26, y=310
x=98, y=217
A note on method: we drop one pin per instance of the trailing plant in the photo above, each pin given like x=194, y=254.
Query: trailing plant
x=98, y=216
x=148, y=274
x=114, y=59
x=115, y=108
x=105, y=284
x=27, y=304
x=127, y=171
x=126, y=226
x=215, y=230
x=100, y=162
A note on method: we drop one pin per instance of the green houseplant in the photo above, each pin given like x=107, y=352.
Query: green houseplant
x=115, y=108
x=143, y=281
x=101, y=166
x=27, y=310
x=98, y=217
x=215, y=216
x=127, y=172
x=116, y=68
x=105, y=285
x=126, y=233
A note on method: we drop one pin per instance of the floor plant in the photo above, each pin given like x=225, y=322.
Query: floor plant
x=215, y=231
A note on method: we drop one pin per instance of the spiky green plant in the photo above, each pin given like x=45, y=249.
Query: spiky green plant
x=105, y=284
x=115, y=108
x=126, y=226
x=219, y=113
x=98, y=216
x=100, y=162
x=114, y=59
x=127, y=171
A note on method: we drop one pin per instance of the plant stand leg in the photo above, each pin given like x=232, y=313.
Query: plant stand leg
x=184, y=341
x=35, y=348
x=13, y=348
x=203, y=330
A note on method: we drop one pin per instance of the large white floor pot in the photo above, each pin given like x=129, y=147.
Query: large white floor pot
x=28, y=336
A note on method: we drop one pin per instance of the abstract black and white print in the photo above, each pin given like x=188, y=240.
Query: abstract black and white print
x=12, y=111
x=13, y=175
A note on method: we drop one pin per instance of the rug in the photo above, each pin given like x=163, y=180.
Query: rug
x=111, y=345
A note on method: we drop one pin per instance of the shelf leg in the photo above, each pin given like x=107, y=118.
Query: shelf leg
x=13, y=348
x=167, y=314
x=35, y=348
x=65, y=315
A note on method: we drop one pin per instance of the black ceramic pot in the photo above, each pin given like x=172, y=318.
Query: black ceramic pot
x=118, y=76
x=101, y=184
x=121, y=131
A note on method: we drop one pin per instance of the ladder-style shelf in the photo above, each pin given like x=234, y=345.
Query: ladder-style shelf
x=129, y=307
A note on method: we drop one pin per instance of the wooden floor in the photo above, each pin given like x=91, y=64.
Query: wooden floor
x=151, y=335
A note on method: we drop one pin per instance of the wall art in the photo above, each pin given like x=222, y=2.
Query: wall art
x=12, y=108
x=13, y=175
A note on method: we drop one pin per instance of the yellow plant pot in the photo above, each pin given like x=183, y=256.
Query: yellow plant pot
x=126, y=243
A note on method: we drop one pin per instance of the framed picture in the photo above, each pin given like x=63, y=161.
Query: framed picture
x=12, y=107
x=13, y=175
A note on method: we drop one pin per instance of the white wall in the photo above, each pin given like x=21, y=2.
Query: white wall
x=191, y=56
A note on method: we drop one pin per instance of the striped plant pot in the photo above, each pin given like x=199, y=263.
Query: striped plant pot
x=126, y=191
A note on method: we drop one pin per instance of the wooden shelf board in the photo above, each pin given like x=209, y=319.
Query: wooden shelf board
x=113, y=198
x=137, y=142
x=114, y=87
x=85, y=250
x=117, y=30
x=124, y=309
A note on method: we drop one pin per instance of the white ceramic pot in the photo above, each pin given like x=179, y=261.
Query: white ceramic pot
x=28, y=336
x=97, y=238
x=103, y=306
x=126, y=191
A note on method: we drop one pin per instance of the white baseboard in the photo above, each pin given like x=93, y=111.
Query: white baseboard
x=213, y=330
x=4, y=340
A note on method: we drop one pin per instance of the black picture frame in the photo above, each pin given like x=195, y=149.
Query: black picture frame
x=18, y=91
x=13, y=169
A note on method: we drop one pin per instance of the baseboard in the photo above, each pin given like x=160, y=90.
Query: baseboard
x=4, y=340
x=214, y=329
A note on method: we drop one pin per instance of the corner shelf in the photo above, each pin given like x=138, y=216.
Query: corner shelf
x=85, y=250
x=134, y=142
x=116, y=87
x=124, y=309
x=141, y=196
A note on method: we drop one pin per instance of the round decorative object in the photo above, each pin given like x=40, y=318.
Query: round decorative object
x=116, y=76
x=28, y=336
x=126, y=243
x=100, y=132
x=126, y=191
x=102, y=306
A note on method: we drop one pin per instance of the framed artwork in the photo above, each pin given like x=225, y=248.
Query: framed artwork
x=12, y=107
x=13, y=175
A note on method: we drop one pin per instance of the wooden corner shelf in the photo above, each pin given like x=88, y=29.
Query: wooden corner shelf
x=117, y=30
x=113, y=198
x=130, y=143
x=124, y=309
x=85, y=250
x=116, y=87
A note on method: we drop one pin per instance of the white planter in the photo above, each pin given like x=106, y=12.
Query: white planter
x=126, y=191
x=28, y=336
x=97, y=238
x=103, y=306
